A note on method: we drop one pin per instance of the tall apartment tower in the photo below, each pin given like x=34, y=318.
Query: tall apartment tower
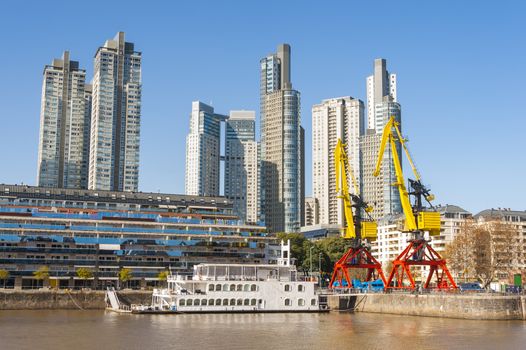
x=380, y=84
x=203, y=150
x=280, y=144
x=381, y=105
x=336, y=118
x=63, y=150
x=241, y=164
x=116, y=117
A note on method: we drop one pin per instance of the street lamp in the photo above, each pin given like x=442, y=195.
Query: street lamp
x=310, y=258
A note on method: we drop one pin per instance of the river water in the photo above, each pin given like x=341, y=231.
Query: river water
x=105, y=330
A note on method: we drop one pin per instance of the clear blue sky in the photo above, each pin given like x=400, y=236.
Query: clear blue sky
x=460, y=65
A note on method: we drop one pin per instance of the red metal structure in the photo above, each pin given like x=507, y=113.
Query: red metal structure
x=419, y=253
x=356, y=258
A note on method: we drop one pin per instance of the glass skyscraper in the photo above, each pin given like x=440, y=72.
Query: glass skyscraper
x=281, y=154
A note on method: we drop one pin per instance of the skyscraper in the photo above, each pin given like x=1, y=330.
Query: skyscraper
x=241, y=164
x=116, y=117
x=336, y=118
x=379, y=85
x=381, y=105
x=280, y=144
x=64, y=126
x=203, y=147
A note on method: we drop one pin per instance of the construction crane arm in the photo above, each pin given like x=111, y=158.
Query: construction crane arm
x=340, y=160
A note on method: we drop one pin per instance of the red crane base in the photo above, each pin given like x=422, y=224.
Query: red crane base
x=419, y=253
x=356, y=258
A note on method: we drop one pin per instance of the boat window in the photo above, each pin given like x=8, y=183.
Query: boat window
x=203, y=302
x=218, y=302
x=218, y=287
x=301, y=302
x=196, y=302
x=182, y=302
x=189, y=302
x=253, y=288
x=211, y=288
x=246, y=287
x=246, y=302
x=225, y=287
x=239, y=302
x=232, y=301
x=239, y=287
x=301, y=288
x=287, y=302
x=287, y=288
x=225, y=302
x=313, y=302
x=253, y=302
x=232, y=287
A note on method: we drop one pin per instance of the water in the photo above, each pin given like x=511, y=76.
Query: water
x=105, y=330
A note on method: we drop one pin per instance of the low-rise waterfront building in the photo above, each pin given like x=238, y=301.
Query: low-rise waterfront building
x=64, y=230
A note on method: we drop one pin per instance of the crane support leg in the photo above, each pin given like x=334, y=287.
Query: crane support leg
x=355, y=258
x=419, y=253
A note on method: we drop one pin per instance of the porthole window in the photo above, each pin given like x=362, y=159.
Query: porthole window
x=287, y=302
x=301, y=302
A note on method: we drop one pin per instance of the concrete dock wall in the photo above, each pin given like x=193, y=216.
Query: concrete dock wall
x=60, y=299
x=480, y=307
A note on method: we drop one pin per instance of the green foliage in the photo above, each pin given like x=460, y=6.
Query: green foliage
x=84, y=273
x=42, y=273
x=163, y=275
x=125, y=275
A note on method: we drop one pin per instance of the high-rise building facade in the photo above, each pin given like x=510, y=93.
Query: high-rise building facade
x=337, y=118
x=203, y=151
x=312, y=212
x=280, y=144
x=380, y=192
x=379, y=85
x=63, y=152
x=116, y=114
x=241, y=164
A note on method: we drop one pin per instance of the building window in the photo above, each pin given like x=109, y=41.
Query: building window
x=287, y=302
x=301, y=302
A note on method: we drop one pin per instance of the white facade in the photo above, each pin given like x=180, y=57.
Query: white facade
x=241, y=164
x=203, y=146
x=380, y=84
x=116, y=113
x=337, y=118
x=312, y=211
x=63, y=151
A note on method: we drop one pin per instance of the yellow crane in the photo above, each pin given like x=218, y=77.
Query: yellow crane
x=418, y=219
x=358, y=256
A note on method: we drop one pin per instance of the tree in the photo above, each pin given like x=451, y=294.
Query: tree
x=4, y=275
x=84, y=274
x=125, y=275
x=42, y=274
x=484, y=251
x=163, y=276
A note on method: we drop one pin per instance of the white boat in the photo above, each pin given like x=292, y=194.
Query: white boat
x=230, y=288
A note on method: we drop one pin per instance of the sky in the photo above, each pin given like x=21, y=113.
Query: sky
x=460, y=65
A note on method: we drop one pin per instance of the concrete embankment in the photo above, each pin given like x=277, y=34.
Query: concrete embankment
x=477, y=307
x=61, y=299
